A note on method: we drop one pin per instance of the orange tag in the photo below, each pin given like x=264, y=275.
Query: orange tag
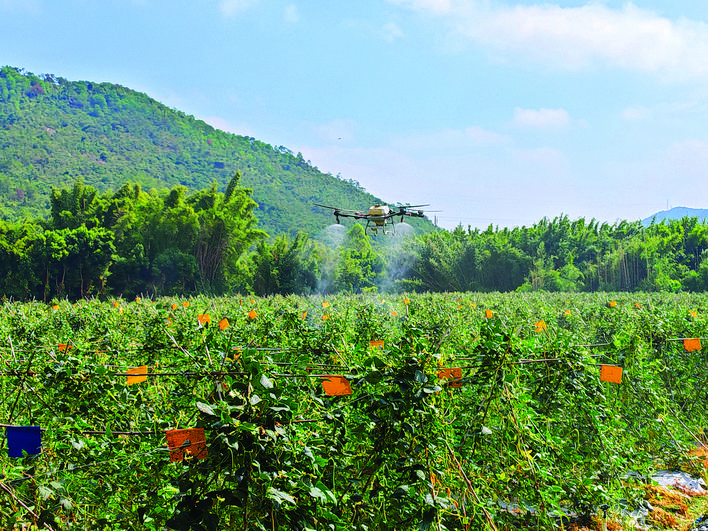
x=325, y=304
x=636, y=305
x=204, y=318
x=304, y=315
x=454, y=374
x=406, y=301
x=540, y=326
x=336, y=385
x=325, y=317
x=394, y=313
x=174, y=306
x=489, y=313
x=63, y=347
x=567, y=312
x=612, y=304
x=611, y=373
x=223, y=323
x=142, y=371
x=692, y=344
x=376, y=343
x=188, y=441
x=252, y=314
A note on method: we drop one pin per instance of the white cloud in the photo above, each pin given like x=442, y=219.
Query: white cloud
x=577, y=37
x=18, y=6
x=232, y=7
x=391, y=31
x=291, y=14
x=448, y=140
x=543, y=156
x=689, y=159
x=436, y=6
x=635, y=113
x=542, y=118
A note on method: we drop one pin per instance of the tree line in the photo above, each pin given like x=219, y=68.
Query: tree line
x=565, y=255
x=131, y=242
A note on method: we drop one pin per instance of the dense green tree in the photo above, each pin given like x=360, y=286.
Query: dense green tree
x=286, y=266
x=359, y=267
x=227, y=229
x=17, y=263
x=72, y=208
x=130, y=242
x=560, y=255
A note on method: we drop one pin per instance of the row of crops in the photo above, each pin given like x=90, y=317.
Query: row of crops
x=454, y=411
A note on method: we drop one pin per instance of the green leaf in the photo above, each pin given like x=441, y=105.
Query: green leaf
x=375, y=361
x=328, y=493
x=66, y=504
x=420, y=377
x=374, y=377
x=266, y=383
x=45, y=492
x=400, y=492
x=279, y=496
x=317, y=493
x=205, y=408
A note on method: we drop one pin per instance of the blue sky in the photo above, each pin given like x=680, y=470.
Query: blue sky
x=493, y=111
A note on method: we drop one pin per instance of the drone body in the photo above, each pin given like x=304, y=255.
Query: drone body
x=378, y=217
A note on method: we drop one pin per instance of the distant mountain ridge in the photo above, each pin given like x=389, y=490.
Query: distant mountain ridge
x=677, y=213
x=53, y=131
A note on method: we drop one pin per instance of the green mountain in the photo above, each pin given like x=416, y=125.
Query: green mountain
x=677, y=213
x=53, y=131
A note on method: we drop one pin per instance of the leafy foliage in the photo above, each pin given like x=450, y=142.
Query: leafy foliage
x=130, y=242
x=565, y=255
x=528, y=433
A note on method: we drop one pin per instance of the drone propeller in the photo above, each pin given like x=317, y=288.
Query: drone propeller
x=406, y=207
x=326, y=206
x=337, y=209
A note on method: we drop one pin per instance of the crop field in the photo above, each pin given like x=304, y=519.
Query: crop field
x=370, y=412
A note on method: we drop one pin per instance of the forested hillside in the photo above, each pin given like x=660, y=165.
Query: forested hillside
x=53, y=131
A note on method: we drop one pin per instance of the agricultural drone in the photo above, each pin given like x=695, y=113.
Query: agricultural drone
x=379, y=216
